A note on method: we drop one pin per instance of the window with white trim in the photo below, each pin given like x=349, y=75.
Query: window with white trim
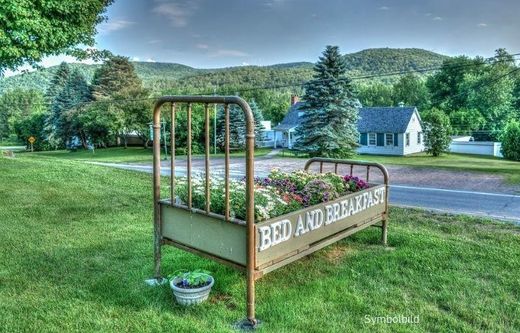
x=389, y=139
x=419, y=134
x=407, y=139
x=372, y=140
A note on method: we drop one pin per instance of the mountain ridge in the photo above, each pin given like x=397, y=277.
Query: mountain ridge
x=162, y=75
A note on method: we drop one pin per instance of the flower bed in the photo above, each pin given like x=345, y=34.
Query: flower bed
x=278, y=194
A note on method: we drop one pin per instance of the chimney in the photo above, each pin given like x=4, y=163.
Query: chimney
x=294, y=99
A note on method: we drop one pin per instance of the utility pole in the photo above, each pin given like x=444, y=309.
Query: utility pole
x=215, y=121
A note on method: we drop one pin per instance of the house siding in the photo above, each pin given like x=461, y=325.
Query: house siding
x=414, y=128
x=384, y=150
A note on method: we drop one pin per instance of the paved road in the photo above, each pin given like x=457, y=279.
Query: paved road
x=494, y=205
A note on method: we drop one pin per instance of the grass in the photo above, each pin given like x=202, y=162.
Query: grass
x=129, y=155
x=76, y=246
x=460, y=162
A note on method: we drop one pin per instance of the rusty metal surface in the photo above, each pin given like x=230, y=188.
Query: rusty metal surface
x=192, y=239
x=250, y=228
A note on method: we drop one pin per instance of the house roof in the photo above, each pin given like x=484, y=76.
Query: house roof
x=291, y=119
x=385, y=119
x=371, y=119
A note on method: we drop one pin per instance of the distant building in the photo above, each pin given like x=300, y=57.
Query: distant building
x=383, y=130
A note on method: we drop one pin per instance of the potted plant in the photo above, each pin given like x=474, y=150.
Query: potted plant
x=191, y=287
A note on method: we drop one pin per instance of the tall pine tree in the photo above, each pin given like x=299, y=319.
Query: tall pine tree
x=58, y=83
x=329, y=122
x=75, y=92
x=237, y=126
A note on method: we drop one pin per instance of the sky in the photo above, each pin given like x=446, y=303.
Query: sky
x=221, y=33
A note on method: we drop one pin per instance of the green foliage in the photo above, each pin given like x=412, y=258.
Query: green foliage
x=237, y=126
x=511, y=141
x=437, y=130
x=329, y=122
x=387, y=60
x=466, y=121
x=17, y=105
x=32, y=30
x=32, y=125
x=61, y=127
x=192, y=279
x=376, y=94
x=411, y=90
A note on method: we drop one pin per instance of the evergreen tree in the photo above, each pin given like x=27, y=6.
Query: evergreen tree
x=237, y=126
x=258, y=118
x=117, y=81
x=329, y=123
x=58, y=83
x=75, y=92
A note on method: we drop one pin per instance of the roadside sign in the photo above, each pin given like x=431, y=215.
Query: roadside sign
x=32, y=140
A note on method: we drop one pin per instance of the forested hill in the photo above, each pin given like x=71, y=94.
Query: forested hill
x=177, y=77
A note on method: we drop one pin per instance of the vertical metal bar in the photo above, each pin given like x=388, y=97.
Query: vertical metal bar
x=351, y=169
x=250, y=214
x=336, y=168
x=172, y=160
x=226, y=166
x=368, y=173
x=207, y=152
x=188, y=163
x=321, y=167
x=157, y=190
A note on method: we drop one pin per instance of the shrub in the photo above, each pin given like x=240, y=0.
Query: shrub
x=437, y=132
x=511, y=141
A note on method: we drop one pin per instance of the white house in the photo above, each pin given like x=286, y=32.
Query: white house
x=390, y=131
x=383, y=130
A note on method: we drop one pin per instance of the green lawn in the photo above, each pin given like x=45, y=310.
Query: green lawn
x=131, y=154
x=76, y=246
x=461, y=162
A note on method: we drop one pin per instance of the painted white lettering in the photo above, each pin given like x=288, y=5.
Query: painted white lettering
x=365, y=200
x=337, y=208
x=318, y=218
x=287, y=230
x=309, y=220
x=344, y=208
x=330, y=214
x=300, y=229
x=276, y=235
x=265, y=237
x=351, y=208
x=358, y=203
x=370, y=200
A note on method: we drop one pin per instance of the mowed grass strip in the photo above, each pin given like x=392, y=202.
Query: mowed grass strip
x=128, y=155
x=76, y=247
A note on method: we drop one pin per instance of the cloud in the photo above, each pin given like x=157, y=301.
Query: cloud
x=135, y=59
x=437, y=18
x=202, y=46
x=228, y=53
x=150, y=60
x=384, y=8
x=114, y=25
x=178, y=13
x=154, y=41
x=482, y=25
